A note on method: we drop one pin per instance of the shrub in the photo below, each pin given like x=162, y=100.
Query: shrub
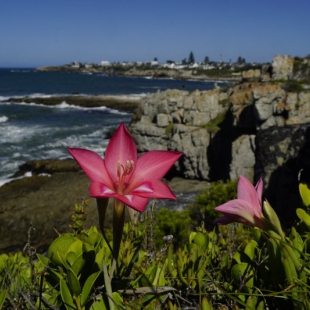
x=169, y=222
x=202, y=210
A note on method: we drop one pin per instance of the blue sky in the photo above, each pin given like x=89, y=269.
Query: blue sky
x=54, y=32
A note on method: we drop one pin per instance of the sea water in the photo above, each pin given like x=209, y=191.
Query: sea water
x=33, y=131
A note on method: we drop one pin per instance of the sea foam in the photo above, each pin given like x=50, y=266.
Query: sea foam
x=3, y=119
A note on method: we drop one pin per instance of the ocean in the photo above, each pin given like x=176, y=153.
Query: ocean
x=35, y=131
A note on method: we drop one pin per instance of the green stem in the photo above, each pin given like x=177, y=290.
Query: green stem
x=118, y=227
x=102, y=204
x=108, y=286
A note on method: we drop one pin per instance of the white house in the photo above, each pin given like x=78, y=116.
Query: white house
x=105, y=63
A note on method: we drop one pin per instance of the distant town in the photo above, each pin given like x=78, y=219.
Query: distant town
x=188, y=68
x=170, y=64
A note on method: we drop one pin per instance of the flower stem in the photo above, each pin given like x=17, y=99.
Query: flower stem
x=118, y=227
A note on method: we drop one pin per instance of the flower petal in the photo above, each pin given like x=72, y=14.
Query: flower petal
x=98, y=189
x=247, y=192
x=152, y=165
x=155, y=189
x=238, y=209
x=259, y=189
x=135, y=202
x=92, y=164
x=120, y=149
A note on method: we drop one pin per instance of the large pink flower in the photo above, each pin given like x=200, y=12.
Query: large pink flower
x=123, y=175
x=247, y=209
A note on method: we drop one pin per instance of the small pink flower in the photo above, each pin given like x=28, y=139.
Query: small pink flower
x=247, y=209
x=123, y=175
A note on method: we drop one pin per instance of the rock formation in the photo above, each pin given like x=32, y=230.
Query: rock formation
x=225, y=133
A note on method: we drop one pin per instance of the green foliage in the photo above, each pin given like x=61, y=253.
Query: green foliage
x=216, y=72
x=169, y=129
x=214, y=124
x=169, y=222
x=205, y=202
x=234, y=266
x=79, y=217
x=293, y=86
x=301, y=66
x=225, y=101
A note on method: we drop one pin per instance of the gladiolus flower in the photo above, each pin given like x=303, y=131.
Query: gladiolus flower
x=124, y=176
x=247, y=209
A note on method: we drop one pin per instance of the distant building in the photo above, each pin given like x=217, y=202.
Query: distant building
x=76, y=64
x=105, y=63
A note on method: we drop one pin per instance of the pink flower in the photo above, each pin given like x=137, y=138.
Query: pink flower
x=123, y=175
x=247, y=209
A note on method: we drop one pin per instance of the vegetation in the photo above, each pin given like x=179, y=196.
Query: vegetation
x=214, y=124
x=168, y=129
x=293, y=86
x=202, y=210
x=227, y=267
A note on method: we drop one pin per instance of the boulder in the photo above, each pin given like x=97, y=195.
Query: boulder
x=243, y=157
x=281, y=152
x=282, y=67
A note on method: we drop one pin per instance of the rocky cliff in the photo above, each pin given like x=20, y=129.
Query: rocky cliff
x=249, y=129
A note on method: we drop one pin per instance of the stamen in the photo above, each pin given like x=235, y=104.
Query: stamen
x=119, y=169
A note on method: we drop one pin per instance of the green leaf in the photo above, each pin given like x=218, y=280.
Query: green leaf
x=251, y=303
x=118, y=300
x=303, y=216
x=242, y=272
x=3, y=295
x=250, y=249
x=93, y=237
x=61, y=259
x=149, y=276
x=99, y=258
x=73, y=282
x=88, y=285
x=43, y=259
x=202, y=240
x=304, y=193
x=98, y=305
x=66, y=295
x=71, y=257
x=78, y=264
x=296, y=240
x=271, y=215
x=61, y=244
x=74, y=250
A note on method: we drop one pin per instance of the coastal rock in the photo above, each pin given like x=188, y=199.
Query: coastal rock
x=46, y=202
x=282, y=67
x=243, y=157
x=216, y=129
x=281, y=153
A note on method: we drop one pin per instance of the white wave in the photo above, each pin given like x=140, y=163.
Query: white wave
x=7, y=180
x=65, y=105
x=4, y=98
x=3, y=119
x=17, y=134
